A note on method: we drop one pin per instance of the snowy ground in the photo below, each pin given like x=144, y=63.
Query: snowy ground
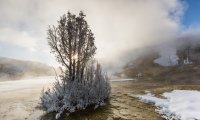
x=122, y=80
x=178, y=104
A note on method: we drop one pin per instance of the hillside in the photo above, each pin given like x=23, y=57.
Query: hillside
x=145, y=68
x=17, y=69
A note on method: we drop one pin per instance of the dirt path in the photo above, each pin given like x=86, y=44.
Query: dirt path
x=126, y=107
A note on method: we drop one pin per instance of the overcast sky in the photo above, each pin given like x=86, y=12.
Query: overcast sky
x=118, y=25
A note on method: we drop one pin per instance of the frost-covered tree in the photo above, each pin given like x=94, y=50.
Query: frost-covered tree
x=82, y=82
x=73, y=44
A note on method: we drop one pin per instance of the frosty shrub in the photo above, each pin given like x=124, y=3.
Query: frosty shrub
x=78, y=94
x=82, y=82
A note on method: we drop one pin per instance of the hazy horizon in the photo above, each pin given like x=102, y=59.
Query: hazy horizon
x=120, y=27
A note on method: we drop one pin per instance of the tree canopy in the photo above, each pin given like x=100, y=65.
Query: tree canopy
x=72, y=41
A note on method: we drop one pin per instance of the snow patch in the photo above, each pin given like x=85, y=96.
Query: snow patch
x=179, y=104
x=122, y=80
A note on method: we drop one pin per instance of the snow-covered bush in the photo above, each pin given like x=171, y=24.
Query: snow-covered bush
x=75, y=95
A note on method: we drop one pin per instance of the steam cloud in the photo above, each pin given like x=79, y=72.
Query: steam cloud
x=120, y=26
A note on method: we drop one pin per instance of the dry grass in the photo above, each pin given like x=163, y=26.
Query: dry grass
x=159, y=91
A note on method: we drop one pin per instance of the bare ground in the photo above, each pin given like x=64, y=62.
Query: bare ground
x=23, y=104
